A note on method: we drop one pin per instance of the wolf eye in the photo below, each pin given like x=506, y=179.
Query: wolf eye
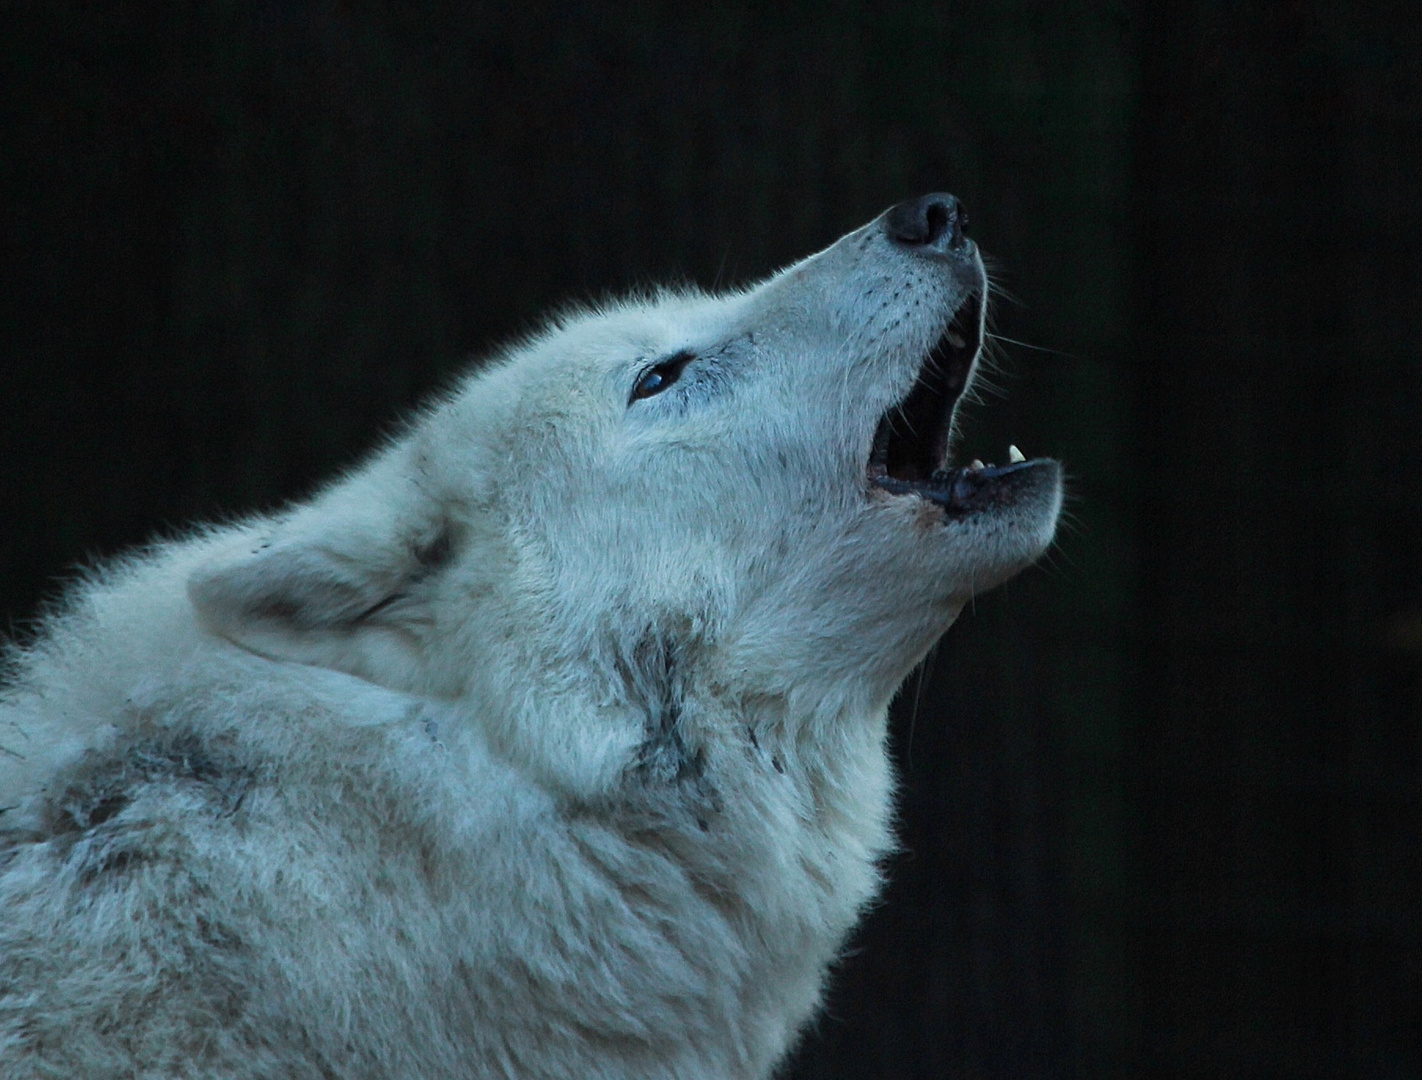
x=659, y=376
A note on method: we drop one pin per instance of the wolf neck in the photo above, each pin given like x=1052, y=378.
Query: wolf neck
x=835, y=765
x=780, y=796
x=794, y=812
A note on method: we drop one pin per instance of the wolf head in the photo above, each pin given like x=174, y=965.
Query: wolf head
x=749, y=494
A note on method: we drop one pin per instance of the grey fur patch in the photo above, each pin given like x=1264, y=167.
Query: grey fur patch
x=651, y=678
x=666, y=759
x=101, y=787
x=436, y=554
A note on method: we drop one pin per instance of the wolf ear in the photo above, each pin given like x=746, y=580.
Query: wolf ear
x=337, y=584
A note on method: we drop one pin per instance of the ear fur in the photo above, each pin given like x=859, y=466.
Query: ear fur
x=333, y=584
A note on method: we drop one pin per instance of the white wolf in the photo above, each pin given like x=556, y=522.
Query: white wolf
x=547, y=743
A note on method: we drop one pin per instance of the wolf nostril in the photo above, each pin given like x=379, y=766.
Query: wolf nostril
x=938, y=221
x=934, y=221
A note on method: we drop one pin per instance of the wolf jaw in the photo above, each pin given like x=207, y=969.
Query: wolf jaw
x=909, y=456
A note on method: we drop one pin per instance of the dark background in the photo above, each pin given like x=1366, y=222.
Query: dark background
x=1162, y=797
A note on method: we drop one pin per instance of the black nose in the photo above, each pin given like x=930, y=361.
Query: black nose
x=934, y=221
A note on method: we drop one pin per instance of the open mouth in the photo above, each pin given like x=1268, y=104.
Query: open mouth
x=910, y=451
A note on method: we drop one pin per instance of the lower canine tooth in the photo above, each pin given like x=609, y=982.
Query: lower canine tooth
x=1015, y=455
x=975, y=465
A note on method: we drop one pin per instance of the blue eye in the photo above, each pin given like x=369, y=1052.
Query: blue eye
x=659, y=376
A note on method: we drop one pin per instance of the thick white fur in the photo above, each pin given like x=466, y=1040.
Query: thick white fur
x=548, y=743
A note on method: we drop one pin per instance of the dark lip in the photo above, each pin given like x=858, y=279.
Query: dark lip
x=971, y=489
x=910, y=446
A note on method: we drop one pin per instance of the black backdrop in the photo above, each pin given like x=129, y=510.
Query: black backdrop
x=1162, y=798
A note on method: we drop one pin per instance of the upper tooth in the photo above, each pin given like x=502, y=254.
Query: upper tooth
x=1015, y=455
x=955, y=340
